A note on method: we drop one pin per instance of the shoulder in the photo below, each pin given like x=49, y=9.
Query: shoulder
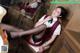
x=57, y=30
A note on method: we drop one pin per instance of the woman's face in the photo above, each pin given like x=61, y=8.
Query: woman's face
x=56, y=12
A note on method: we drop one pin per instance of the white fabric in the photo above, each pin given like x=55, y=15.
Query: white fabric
x=1, y=43
x=57, y=31
x=2, y=13
x=33, y=5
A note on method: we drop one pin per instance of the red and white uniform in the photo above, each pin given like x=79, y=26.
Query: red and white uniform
x=54, y=34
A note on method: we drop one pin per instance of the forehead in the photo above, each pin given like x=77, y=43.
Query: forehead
x=58, y=9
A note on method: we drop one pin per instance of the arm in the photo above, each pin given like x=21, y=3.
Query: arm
x=46, y=45
x=31, y=31
x=55, y=34
x=9, y=28
x=42, y=20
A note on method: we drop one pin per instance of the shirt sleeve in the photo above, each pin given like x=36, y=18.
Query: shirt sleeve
x=57, y=31
x=54, y=35
x=39, y=21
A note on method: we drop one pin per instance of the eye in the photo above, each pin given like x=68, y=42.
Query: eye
x=57, y=11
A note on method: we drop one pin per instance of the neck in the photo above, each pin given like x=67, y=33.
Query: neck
x=54, y=16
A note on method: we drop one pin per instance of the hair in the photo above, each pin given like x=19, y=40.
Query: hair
x=43, y=1
x=64, y=13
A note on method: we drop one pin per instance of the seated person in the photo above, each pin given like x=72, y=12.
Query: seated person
x=45, y=30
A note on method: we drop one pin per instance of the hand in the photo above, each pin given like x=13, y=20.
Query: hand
x=42, y=22
x=41, y=49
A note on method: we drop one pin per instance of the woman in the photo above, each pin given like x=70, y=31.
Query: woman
x=45, y=30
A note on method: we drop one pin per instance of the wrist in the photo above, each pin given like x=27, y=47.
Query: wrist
x=41, y=49
x=44, y=45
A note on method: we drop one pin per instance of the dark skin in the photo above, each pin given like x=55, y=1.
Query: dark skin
x=35, y=30
x=19, y=32
x=9, y=28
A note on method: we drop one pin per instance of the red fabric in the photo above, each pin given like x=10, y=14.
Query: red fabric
x=26, y=8
x=30, y=10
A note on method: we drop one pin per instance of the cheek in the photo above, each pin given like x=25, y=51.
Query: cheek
x=58, y=13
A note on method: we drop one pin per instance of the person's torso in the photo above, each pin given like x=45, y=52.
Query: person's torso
x=47, y=35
